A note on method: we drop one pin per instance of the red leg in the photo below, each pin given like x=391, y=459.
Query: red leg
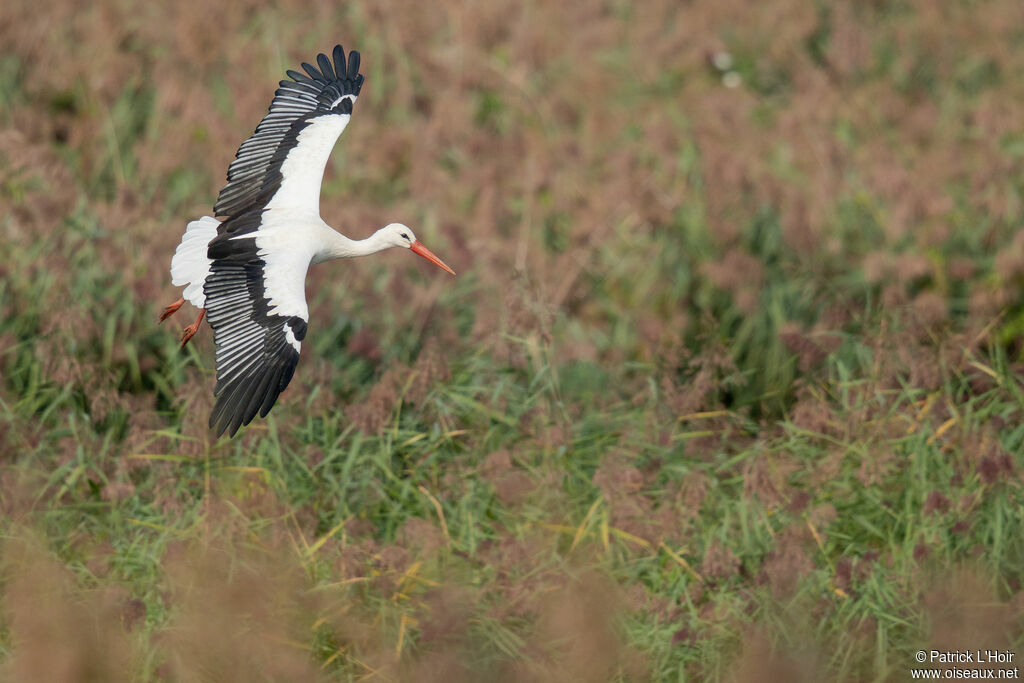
x=171, y=309
x=193, y=328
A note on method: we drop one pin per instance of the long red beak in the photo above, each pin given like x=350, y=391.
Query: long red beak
x=418, y=248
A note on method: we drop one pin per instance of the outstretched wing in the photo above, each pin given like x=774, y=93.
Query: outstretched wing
x=255, y=290
x=282, y=164
x=256, y=305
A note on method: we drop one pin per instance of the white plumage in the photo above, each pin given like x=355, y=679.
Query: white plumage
x=190, y=265
x=303, y=169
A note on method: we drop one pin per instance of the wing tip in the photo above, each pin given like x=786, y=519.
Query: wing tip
x=337, y=68
x=239, y=402
x=230, y=413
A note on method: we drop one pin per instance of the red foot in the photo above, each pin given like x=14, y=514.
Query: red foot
x=191, y=330
x=171, y=309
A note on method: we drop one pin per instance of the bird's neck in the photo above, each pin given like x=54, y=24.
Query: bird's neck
x=335, y=246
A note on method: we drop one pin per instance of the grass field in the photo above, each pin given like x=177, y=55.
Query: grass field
x=729, y=386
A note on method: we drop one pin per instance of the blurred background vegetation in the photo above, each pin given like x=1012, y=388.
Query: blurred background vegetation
x=728, y=386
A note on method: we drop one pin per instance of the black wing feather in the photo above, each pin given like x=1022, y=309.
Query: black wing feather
x=300, y=78
x=339, y=63
x=312, y=71
x=325, y=67
x=353, y=67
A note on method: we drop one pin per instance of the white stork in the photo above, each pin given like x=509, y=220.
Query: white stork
x=246, y=273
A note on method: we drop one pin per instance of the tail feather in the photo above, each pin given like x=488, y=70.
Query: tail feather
x=190, y=265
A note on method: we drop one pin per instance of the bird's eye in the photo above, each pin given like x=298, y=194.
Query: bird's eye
x=404, y=236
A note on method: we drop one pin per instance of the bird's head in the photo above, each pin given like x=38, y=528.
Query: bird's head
x=398, y=235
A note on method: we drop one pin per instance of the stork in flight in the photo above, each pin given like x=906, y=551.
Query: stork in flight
x=247, y=272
